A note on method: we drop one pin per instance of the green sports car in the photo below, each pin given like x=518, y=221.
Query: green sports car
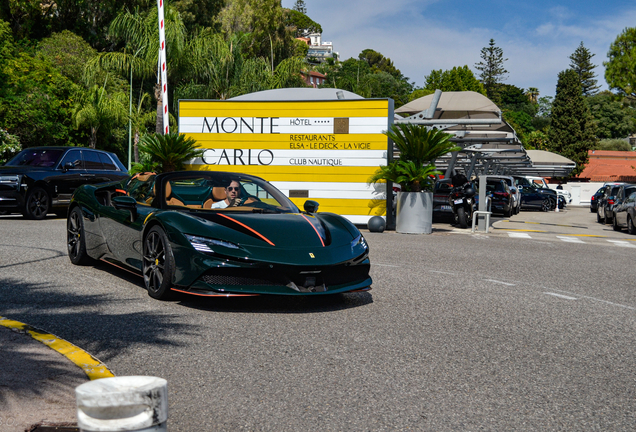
x=215, y=234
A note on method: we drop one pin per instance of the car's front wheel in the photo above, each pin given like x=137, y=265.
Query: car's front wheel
x=75, y=239
x=37, y=204
x=630, y=226
x=546, y=205
x=158, y=264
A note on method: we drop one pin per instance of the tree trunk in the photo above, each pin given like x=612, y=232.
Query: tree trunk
x=159, y=97
x=93, y=141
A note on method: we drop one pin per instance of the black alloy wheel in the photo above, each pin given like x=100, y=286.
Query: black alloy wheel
x=546, y=205
x=630, y=226
x=37, y=204
x=75, y=242
x=158, y=264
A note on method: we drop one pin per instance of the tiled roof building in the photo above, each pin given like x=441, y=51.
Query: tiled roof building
x=610, y=166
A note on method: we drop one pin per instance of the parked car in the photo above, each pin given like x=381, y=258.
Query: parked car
x=595, y=198
x=39, y=180
x=516, y=194
x=605, y=204
x=168, y=229
x=441, y=192
x=501, y=197
x=566, y=196
x=535, y=197
x=623, y=202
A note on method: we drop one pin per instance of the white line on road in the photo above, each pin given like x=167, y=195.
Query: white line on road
x=518, y=235
x=603, y=301
x=499, y=282
x=442, y=272
x=384, y=265
x=560, y=296
x=622, y=243
x=570, y=239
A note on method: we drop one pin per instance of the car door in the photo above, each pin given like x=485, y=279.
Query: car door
x=95, y=172
x=626, y=196
x=66, y=180
x=122, y=230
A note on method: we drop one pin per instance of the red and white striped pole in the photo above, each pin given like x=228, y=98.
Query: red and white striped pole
x=162, y=66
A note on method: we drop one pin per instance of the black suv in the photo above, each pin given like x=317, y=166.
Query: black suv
x=42, y=179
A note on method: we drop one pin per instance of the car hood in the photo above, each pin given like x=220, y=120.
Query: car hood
x=284, y=237
x=282, y=230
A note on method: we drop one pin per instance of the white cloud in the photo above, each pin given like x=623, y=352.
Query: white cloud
x=419, y=42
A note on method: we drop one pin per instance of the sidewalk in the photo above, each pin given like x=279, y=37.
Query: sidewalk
x=37, y=384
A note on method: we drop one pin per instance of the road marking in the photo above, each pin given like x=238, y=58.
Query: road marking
x=92, y=367
x=519, y=235
x=570, y=239
x=602, y=301
x=384, y=265
x=499, y=282
x=621, y=243
x=442, y=272
x=560, y=296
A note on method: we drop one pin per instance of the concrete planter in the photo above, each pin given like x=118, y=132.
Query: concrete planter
x=414, y=213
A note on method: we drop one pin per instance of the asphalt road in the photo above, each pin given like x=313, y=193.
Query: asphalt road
x=460, y=332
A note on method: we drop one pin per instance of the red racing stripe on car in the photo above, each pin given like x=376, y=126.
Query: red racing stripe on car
x=317, y=233
x=246, y=227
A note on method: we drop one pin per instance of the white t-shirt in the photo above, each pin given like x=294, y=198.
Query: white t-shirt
x=219, y=205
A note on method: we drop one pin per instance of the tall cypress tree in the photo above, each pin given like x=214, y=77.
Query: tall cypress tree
x=300, y=7
x=572, y=131
x=581, y=63
x=492, y=70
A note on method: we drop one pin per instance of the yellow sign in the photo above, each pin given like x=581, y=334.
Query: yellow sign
x=320, y=150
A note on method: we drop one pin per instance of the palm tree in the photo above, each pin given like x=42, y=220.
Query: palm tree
x=533, y=94
x=139, y=119
x=97, y=109
x=419, y=148
x=140, y=33
x=171, y=151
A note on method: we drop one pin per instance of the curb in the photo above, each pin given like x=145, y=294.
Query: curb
x=92, y=367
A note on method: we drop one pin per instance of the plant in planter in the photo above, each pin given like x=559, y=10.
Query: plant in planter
x=414, y=170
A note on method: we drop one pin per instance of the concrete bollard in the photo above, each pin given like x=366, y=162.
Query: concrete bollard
x=133, y=403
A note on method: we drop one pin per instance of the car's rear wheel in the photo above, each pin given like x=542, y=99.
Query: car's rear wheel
x=599, y=219
x=461, y=217
x=37, y=204
x=75, y=239
x=630, y=226
x=158, y=264
x=608, y=220
x=546, y=205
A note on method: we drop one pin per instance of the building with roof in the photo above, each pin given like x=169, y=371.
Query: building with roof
x=609, y=166
x=319, y=50
x=313, y=78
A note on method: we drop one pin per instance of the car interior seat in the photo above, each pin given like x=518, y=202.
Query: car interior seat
x=170, y=200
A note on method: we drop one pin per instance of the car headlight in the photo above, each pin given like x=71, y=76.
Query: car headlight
x=359, y=241
x=204, y=244
x=10, y=180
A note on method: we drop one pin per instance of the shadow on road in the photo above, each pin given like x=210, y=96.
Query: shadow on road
x=94, y=322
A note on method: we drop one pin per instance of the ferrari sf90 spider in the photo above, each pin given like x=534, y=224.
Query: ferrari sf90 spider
x=216, y=234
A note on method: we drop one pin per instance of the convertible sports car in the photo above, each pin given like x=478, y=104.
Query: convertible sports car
x=165, y=228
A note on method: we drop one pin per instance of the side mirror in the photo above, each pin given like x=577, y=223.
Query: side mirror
x=68, y=166
x=311, y=206
x=126, y=203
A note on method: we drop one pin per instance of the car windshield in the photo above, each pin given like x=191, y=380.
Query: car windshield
x=211, y=191
x=36, y=158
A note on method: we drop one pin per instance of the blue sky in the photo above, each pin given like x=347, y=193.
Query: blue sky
x=537, y=36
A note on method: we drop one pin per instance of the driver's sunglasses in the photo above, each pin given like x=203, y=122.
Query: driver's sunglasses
x=233, y=189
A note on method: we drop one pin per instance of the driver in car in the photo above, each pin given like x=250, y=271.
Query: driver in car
x=232, y=196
